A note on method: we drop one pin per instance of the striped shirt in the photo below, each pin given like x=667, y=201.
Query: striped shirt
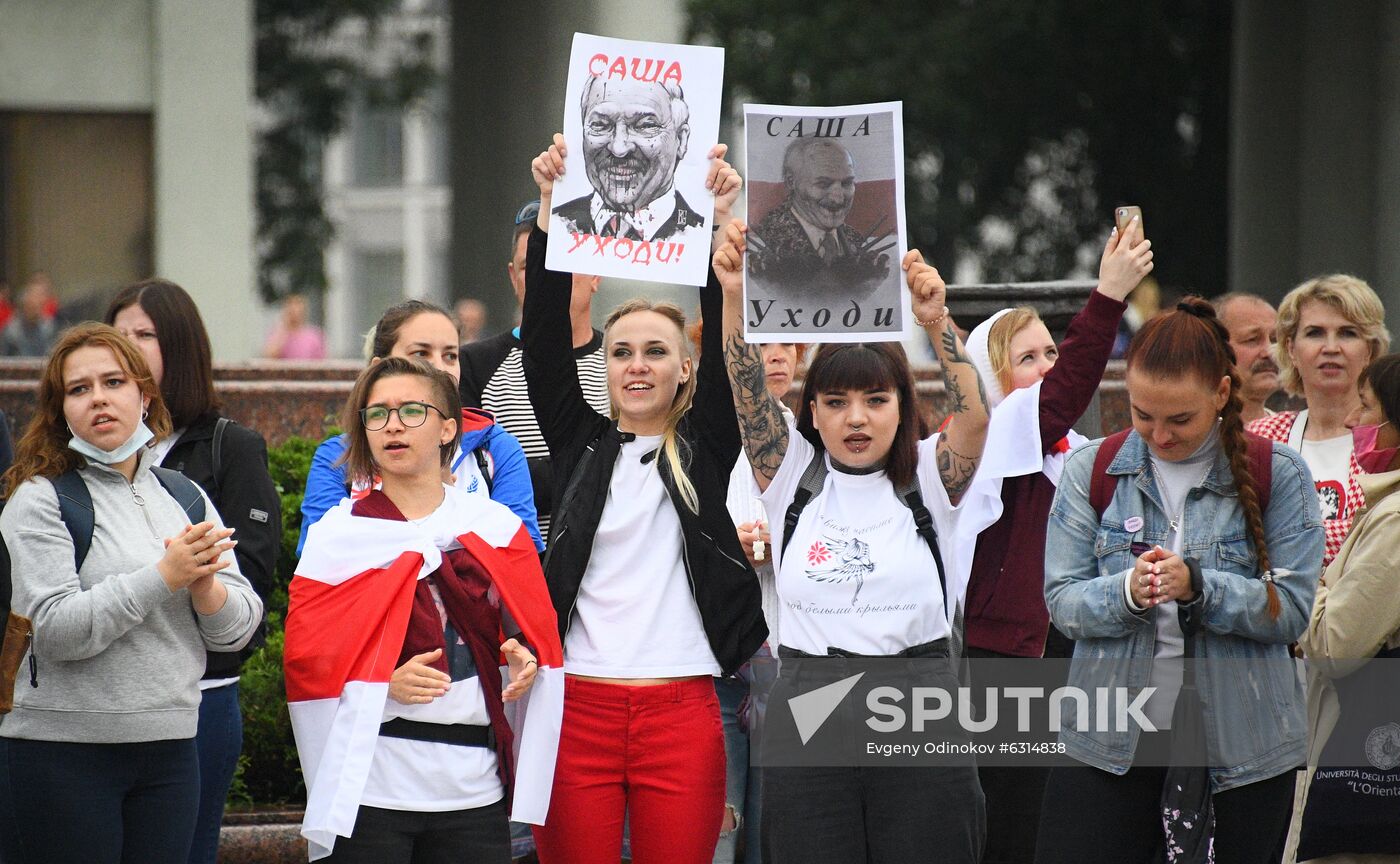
x=502, y=391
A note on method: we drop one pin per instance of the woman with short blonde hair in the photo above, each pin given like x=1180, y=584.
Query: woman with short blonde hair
x=1329, y=329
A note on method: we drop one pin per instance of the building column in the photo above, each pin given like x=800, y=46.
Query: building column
x=203, y=160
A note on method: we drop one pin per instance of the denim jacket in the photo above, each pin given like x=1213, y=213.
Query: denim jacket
x=1252, y=695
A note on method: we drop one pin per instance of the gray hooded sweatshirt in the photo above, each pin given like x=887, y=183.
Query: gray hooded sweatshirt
x=118, y=655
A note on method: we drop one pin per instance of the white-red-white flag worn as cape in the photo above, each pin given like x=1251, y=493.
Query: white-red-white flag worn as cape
x=346, y=620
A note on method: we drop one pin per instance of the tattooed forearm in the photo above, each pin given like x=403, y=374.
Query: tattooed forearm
x=960, y=446
x=953, y=352
x=952, y=348
x=955, y=470
x=761, y=423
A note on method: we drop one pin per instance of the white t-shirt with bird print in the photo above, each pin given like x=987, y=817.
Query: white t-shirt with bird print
x=857, y=576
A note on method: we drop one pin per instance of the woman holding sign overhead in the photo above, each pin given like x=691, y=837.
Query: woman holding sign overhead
x=879, y=516
x=652, y=590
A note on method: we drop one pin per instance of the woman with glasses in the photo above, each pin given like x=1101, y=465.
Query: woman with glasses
x=489, y=460
x=428, y=775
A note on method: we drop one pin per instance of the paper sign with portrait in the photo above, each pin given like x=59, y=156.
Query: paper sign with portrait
x=640, y=118
x=826, y=223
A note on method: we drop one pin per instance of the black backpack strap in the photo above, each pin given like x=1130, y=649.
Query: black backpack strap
x=813, y=478
x=183, y=490
x=913, y=498
x=75, y=509
x=218, y=452
x=483, y=463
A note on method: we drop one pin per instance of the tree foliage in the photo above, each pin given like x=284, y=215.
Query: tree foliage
x=1025, y=122
x=315, y=58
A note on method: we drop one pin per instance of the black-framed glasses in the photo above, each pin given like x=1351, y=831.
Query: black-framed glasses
x=411, y=414
x=528, y=213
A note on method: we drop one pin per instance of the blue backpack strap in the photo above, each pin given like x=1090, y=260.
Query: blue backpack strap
x=75, y=509
x=183, y=490
x=813, y=478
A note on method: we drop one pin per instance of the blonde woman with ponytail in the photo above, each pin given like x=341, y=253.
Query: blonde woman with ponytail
x=652, y=589
x=1182, y=554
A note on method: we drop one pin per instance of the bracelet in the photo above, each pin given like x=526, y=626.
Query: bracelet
x=532, y=661
x=936, y=320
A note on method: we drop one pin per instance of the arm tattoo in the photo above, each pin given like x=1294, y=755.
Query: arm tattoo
x=955, y=469
x=957, y=403
x=952, y=348
x=953, y=353
x=761, y=422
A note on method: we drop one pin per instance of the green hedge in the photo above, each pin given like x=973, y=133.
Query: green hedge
x=268, y=770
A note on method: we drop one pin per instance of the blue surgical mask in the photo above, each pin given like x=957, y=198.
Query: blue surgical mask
x=140, y=438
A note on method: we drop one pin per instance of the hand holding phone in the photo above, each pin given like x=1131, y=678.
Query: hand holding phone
x=1123, y=215
x=1127, y=257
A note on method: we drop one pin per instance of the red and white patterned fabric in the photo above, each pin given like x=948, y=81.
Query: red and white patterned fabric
x=1277, y=428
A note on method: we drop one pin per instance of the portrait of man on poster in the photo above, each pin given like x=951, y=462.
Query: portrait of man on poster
x=807, y=235
x=635, y=133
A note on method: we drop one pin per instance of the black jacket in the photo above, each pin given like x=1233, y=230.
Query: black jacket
x=246, y=498
x=584, y=446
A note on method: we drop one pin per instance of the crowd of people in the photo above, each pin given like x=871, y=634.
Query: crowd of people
x=547, y=571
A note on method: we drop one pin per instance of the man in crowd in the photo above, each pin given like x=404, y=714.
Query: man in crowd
x=806, y=236
x=635, y=133
x=471, y=319
x=493, y=370
x=1251, y=322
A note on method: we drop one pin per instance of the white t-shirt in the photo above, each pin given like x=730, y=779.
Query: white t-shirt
x=1330, y=464
x=635, y=616
x=857, y=576
x=425, y=775
x=1175, y=480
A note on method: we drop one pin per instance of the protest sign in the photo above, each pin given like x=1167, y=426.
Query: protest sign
x=640, y=119
x=826, y=223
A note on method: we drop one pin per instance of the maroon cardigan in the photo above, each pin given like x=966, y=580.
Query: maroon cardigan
x=1005, y=610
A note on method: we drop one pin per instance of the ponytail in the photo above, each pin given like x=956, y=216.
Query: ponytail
x=1191, y=339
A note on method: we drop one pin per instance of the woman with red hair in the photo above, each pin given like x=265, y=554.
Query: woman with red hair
x=1203, y=542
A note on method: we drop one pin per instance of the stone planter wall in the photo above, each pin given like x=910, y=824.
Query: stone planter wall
x=285, y=399
x=262, y=837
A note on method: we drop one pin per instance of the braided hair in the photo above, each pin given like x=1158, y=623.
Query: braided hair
x=1191, y=340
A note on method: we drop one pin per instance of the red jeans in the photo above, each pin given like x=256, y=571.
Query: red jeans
x=655, y=752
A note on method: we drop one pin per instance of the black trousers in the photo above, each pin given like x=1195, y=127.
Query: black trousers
x=849, y=815
x=1014, y=792
x=480, y=836
x=1090, y=815
x=97, y=803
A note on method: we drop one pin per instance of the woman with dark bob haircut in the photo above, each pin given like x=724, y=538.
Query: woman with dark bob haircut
x=229, y=462
x=872, y=560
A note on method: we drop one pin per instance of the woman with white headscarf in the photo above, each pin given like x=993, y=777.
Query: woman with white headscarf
x=1036, y=390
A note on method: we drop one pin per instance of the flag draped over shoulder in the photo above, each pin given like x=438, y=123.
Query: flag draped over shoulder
x=348, y=613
